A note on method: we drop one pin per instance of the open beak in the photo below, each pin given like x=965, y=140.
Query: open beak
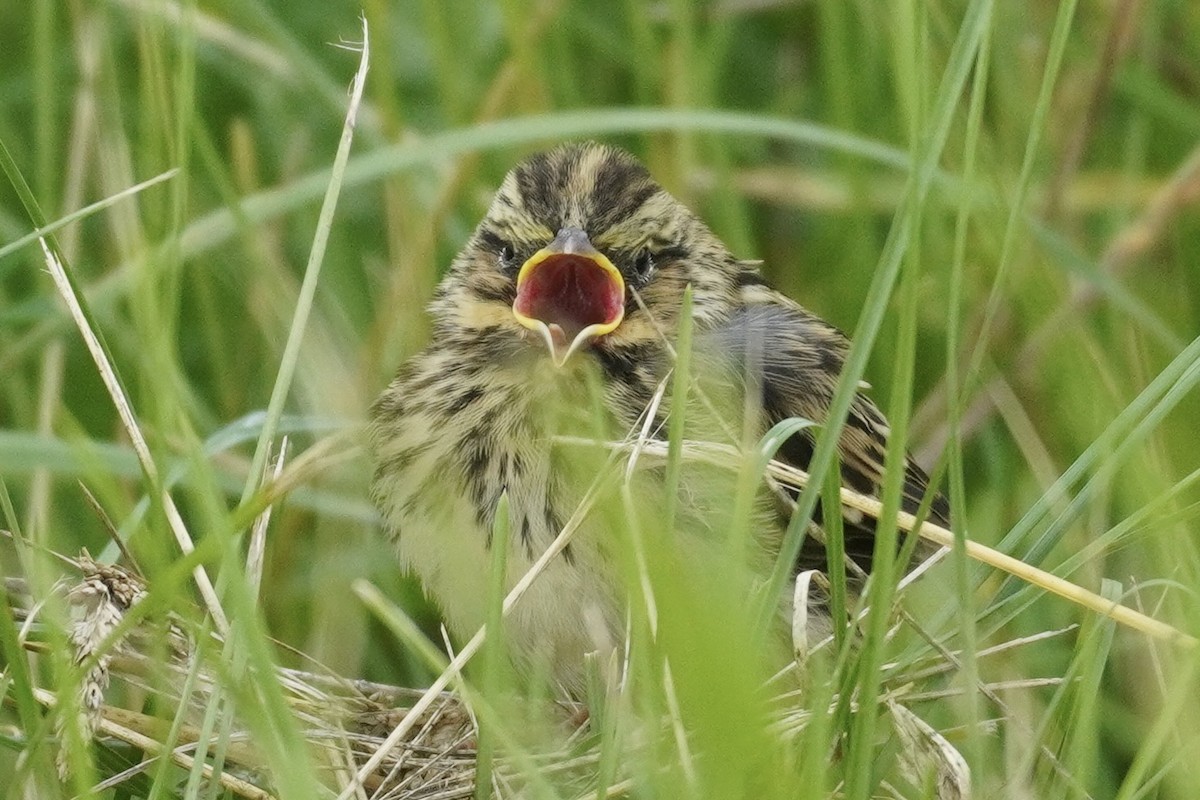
x=570, y=293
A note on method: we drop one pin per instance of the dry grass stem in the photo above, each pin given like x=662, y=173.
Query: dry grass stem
x=433, y=756
x=104, y=725
x=926, y=756
x=129, y=421
x=730, y=457
x=258, y=533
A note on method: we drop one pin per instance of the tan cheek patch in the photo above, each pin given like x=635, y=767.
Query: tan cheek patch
x=483, y=314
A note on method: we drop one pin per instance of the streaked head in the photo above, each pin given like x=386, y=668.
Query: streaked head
x=581, y=248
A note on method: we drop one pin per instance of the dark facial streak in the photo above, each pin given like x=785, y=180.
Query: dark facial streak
x=622, y=186
x=536, y=182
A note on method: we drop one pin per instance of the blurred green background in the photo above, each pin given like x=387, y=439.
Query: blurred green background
x=789, y=126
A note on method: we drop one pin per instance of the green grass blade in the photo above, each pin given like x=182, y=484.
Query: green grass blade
x=312, y=272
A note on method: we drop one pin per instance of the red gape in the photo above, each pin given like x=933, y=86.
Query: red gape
x=569, y=291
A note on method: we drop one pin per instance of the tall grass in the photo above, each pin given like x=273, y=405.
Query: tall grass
x=997, y=199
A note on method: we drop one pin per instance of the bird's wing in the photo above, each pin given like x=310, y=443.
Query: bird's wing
x=795, y=359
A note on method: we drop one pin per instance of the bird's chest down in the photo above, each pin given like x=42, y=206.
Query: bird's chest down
x=547, y=447
x=542, y=449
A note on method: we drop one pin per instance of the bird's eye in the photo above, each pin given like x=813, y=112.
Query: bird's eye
x=644, y=263
x=507, y=254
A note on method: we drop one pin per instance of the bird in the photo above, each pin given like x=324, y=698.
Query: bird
x=557, y=322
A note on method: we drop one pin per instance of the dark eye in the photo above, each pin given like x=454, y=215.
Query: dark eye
x=644, y=263
x=507, y=254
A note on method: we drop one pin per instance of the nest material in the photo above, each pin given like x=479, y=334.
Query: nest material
x=346, y=721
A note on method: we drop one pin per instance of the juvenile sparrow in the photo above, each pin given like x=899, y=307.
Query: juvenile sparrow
x=557, y=321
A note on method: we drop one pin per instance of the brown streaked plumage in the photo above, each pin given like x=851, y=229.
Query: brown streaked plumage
x=557, y=318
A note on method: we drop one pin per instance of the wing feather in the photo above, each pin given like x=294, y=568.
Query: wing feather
x=795, y=358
